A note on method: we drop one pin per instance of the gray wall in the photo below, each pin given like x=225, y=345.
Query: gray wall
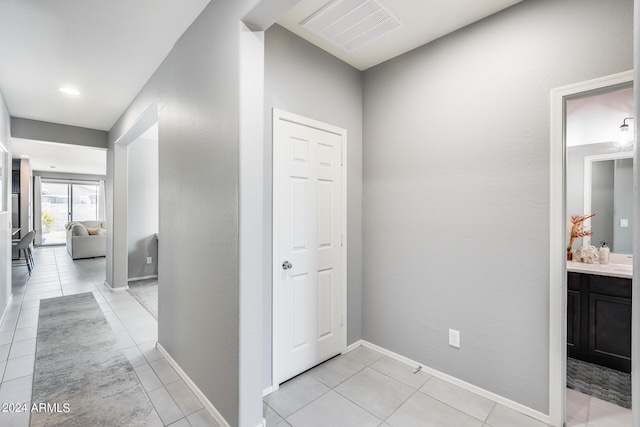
x=623, y=206
x=197, y=93
x=5, y=217
x=142, y=206
x=456, y=177
x=54, y=132
x=302, y=79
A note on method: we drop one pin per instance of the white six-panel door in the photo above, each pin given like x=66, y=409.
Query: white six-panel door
x=308, y=270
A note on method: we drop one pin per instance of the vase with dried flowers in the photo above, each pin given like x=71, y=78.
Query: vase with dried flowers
x=576, y=230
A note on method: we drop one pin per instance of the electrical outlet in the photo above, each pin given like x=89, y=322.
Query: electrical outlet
x=454, y=338
x=624, y=223
x=149, y=260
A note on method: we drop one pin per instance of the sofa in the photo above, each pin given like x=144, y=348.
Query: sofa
x=86, y=239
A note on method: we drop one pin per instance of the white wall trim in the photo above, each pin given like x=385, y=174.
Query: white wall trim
x=118, y=289
x=148, y=118
x=462, y=384
x=354, y=346
x=251, y=228
x=558, y=241
x=6, y=308
x=194, y=388
x=267, y=391
x=280, y=115
x=133, y=279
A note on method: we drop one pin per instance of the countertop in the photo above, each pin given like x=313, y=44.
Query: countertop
x=624, y=271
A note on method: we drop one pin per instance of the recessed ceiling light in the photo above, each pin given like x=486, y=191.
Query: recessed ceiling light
x=70, y=91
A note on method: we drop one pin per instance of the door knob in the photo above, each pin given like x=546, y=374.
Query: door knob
x=286, y=265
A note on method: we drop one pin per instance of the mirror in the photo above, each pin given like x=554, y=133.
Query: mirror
x=599, y=175
x=608, y=191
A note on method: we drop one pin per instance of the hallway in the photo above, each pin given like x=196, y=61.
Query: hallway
x=55, y=275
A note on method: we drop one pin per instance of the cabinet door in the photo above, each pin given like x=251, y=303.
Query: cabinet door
x=574, y=315
x=610, y=331
x=573, y=323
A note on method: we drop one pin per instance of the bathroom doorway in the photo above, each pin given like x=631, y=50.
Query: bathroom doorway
x=591, y=283
x=142, y=219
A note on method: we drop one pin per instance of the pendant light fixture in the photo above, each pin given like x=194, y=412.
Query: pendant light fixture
x=625, y=139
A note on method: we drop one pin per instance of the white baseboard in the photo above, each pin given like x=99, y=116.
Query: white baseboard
x=267, y=391
x=119, y=289
x=133, y=279
x=354, y=345
x=194, y=388
x=462, y=384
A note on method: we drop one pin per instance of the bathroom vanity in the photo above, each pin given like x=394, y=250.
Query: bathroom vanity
x=599, y=314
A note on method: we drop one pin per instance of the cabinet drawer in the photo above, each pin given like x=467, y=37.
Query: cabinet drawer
x=573, y=281
x=612, y=286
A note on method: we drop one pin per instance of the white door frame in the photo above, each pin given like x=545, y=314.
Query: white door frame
x=588, y=178
x=278, y=116
x=558, y=243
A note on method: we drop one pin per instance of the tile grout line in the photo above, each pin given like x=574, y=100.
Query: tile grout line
x=382, y=373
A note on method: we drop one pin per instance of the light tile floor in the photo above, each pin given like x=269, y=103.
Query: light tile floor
x=360, y=388
x=56, y=274
x=366, y=388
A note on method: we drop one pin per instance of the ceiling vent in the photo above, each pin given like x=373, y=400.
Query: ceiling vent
x=350, y=24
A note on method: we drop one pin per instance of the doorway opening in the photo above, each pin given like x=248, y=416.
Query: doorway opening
x=590, y=315
x=142, y=219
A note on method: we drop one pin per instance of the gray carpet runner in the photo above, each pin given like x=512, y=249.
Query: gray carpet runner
x=146, y=292
x=603, y=383
x=78, y=363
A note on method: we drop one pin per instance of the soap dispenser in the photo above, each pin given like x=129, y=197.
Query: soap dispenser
x=604, y=253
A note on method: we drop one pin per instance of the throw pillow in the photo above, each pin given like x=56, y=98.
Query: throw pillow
x=93, y=231
x=102, y=232
x=80, y=230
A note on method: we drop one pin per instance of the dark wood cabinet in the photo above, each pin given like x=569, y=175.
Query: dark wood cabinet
x=573, y=316
x=599, y=320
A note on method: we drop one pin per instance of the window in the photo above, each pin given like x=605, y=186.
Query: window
x=63, y=202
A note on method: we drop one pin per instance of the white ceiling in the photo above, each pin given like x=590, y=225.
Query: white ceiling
x=424, y=21
x=107, y=49
x=66, y=158
x=597, y=118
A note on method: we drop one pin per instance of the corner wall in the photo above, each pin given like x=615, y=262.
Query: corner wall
x=303, y=79
x=456, y=188
x=197, y=91
x=5, y=216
